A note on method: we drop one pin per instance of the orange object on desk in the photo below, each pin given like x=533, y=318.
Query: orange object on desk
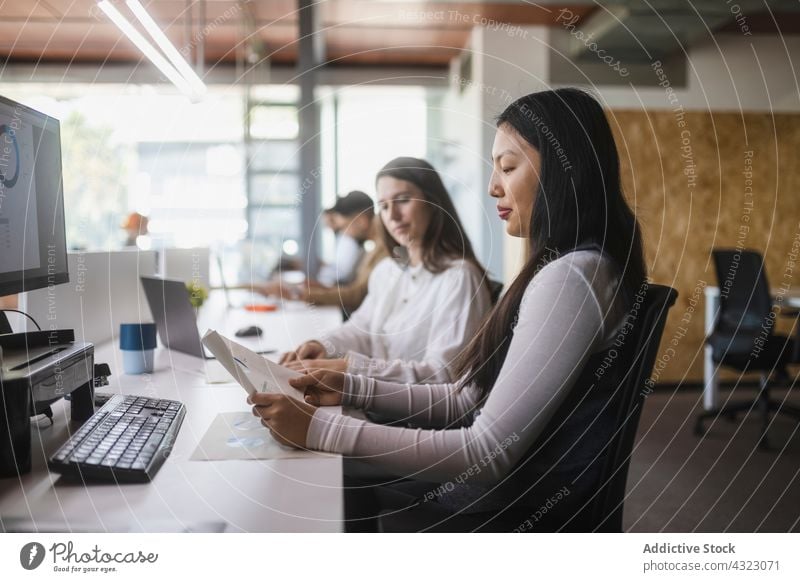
x=261, y=307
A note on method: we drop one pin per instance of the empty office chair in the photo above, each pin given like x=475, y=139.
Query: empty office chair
x=603, y=510
x=743, y=336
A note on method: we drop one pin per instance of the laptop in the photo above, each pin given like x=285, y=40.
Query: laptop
x=175, y=317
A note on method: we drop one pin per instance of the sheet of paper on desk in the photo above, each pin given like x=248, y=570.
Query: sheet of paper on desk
x=215, y=373
x=241, y=436
x=252, y=371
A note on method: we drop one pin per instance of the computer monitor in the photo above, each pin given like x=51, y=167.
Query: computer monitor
x=33, y=249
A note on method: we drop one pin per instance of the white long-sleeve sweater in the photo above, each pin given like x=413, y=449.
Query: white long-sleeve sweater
x=569, y=311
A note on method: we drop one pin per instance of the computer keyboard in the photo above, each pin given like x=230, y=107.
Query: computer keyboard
x=127, y=440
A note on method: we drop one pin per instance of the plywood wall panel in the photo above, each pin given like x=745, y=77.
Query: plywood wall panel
x=683, y=218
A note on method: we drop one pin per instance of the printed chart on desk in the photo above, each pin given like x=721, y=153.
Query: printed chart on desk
x=19, y=232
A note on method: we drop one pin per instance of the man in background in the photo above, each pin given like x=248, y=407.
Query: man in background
x=353, y=216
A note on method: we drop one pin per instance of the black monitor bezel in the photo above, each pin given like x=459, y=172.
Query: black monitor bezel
x=20, y=281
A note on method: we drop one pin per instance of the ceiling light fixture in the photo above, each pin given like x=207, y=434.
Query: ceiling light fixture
x=166, y=46
x=179, y=72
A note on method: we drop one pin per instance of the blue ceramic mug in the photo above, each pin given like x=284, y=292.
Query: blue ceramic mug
x=137, y=342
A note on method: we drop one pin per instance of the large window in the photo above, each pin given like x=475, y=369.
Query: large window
x=273, y=182
x=373, y=126
x=133, y=148
x=220, y=171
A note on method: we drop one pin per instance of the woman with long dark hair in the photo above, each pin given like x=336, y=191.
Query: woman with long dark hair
x=526, y=425
x=424, y=303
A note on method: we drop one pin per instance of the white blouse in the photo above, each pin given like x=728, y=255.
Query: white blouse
x=413, y=323
x=343, y=270
x=570, y=310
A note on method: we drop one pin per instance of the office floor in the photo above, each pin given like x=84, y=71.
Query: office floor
x=722, y=482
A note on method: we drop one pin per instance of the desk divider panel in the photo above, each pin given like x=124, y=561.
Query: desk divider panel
x=189, y=265
x=103, y=291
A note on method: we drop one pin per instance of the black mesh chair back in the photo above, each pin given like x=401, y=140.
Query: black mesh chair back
x=495, y=289
x=745, y=299
x=605, y=511
x=744, y=320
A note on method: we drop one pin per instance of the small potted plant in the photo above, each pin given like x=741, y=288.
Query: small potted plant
x=197, y=294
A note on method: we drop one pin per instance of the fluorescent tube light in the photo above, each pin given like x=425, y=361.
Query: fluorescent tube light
x=167, y=47
x=149, y=51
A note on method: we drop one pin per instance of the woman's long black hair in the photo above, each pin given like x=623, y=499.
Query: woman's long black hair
x=579, y=202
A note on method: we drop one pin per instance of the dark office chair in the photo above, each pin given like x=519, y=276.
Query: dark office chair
x=743, y=337
x=495, y=289
x=603, y=512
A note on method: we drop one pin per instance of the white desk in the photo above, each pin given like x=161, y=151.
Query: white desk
x=710, y=369
x=247, y=496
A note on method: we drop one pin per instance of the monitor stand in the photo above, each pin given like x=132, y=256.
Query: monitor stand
x=32, y=339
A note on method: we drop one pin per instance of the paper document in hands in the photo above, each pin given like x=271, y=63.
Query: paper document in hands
x=252, y=371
